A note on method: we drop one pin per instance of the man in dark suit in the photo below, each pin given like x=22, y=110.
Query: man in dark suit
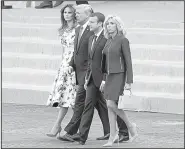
x=94, y=78
x=79, y=64
x=49, y=4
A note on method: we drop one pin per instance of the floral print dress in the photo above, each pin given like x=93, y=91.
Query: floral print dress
x=64, y=86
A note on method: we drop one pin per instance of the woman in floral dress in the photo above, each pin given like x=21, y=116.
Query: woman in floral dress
x=64, y=86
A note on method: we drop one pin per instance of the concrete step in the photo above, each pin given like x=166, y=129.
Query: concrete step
x=162, y=69
x=162, y=84
x=50, y=26
x=142, y=101
x=53, y=47
x=155, y=24
x=53, y=26
x=54, y=21
x=135, y=36
x=155, y=38
x=135, y=11
x=48, y=62
x=31, y=46
x=22, y=4
x=44, y=33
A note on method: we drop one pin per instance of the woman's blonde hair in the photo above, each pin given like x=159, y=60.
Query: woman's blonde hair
x=119, y=23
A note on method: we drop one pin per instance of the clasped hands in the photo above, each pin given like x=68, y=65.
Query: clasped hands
x=69, y=68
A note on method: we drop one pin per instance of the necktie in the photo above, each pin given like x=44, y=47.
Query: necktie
x=93, y=43
x=80, y=34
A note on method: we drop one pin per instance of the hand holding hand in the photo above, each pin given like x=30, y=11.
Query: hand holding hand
x=102, y=86
x=70, y=69
x=85, y=85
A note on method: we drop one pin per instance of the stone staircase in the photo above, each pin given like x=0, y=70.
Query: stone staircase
x=31, y=53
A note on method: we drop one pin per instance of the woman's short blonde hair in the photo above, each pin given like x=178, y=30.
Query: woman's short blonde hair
x=119, y=23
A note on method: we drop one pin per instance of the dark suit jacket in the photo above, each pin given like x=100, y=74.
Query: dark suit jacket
x=95, y=58
x=79, y=60
x=117, y=57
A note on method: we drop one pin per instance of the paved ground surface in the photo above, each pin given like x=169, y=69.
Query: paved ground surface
x=26, y=125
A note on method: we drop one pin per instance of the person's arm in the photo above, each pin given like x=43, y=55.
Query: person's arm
x=103, y=69
x=88, y=68
x=71, y=63
x=128, y=61
x=89, y=60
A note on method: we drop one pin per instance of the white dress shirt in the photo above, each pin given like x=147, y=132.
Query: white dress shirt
x=97, y=35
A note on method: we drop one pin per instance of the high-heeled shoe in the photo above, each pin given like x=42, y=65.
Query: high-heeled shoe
x=110, y=143
x=55, y=134
x=133, y=133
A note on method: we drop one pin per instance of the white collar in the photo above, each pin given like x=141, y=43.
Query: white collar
x=85, y=25
x=98, y=34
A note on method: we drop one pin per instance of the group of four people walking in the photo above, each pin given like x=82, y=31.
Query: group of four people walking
x=95, y=69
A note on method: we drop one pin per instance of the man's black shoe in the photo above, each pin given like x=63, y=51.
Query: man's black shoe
x=81, y=142
x=44, y=5
x=66, y=137
x=123, y=138
x=76, y=137
x=106, y=137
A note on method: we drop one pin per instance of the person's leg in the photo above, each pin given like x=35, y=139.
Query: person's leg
x=3, y=6
x=121, y=113
x=58, y=3
x=2, y=3
x=123, y=130
x=112, y=121
x=57, y=126
x=74, y=123
x=87, y=116
x=28, y=4
x=102, y=109
x=45, y=4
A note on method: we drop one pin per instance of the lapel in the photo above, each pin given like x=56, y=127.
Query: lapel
x=76, y=38
x=90, y=44
x=107, y=43
x=96, y=44
x=82, y=37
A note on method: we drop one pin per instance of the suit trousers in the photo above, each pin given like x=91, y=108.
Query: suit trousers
x=101, y=107
x=74, y=123
x=99, y=104
x=94, y=99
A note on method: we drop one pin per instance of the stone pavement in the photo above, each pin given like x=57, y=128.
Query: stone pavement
x=25, y=126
